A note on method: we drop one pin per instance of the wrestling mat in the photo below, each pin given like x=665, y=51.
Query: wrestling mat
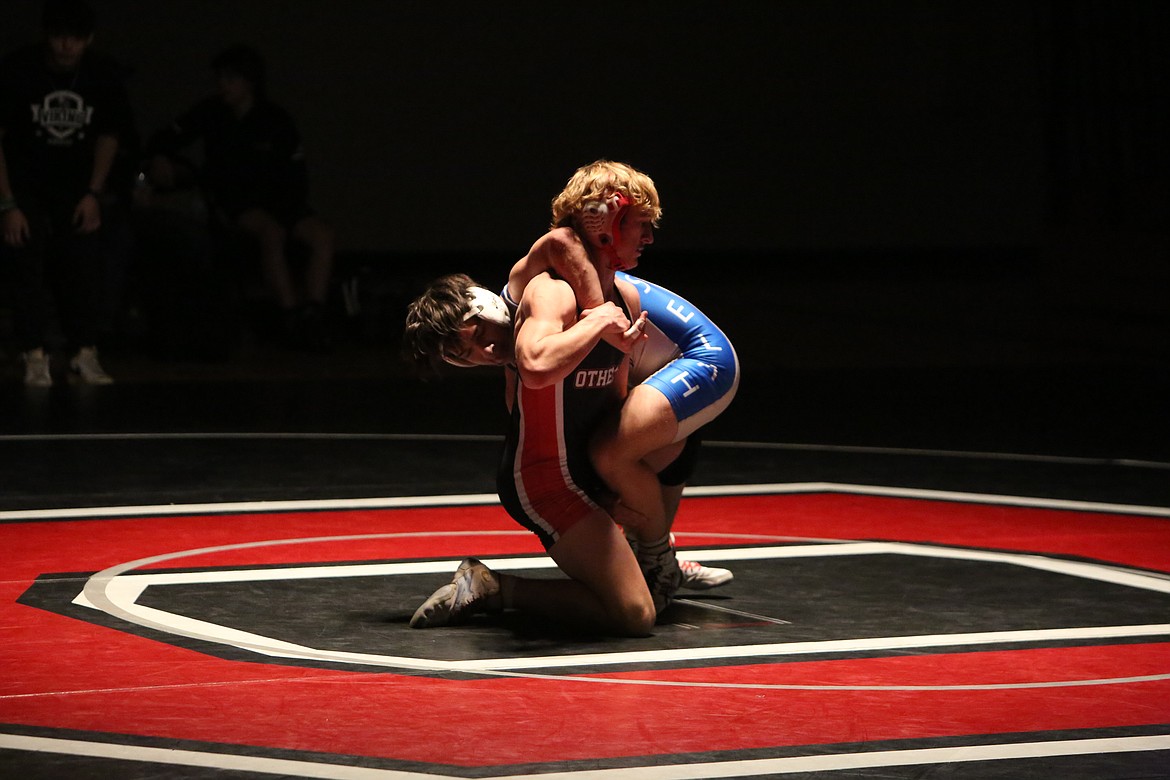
x=869, y=632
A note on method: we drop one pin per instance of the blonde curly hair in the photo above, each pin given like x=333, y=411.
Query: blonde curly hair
x=598, y=181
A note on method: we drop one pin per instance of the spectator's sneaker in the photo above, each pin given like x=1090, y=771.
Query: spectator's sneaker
x=467, y=593
x=36, y=369
x=696, y=576
x=87, y=368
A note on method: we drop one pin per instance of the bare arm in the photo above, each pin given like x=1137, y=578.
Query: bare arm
x=560, y=250
x=550, y=340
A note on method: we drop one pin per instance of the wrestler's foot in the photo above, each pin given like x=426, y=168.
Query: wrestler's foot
x=660, y=568
x=468, y=592
x=696, y=576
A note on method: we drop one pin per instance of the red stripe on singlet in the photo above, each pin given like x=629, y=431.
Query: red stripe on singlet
x=546, y=488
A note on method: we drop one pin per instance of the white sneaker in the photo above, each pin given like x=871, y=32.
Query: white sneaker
x=466, y=594
x=88, y=369
x=36, y=369
x=696, y=576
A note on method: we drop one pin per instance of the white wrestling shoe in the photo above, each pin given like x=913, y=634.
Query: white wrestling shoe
x=696, y=576
x=466, y=594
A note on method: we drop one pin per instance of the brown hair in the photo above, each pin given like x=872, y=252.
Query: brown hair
x=433, y=323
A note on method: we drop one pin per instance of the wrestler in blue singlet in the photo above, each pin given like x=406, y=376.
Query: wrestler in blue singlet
x=686, y=357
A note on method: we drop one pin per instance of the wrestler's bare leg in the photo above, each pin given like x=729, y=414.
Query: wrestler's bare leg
x=606, y=591
x=645, y=426
x=671, y=498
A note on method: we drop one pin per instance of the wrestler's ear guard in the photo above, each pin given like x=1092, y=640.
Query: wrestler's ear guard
x=601, y=219
x=488, y=305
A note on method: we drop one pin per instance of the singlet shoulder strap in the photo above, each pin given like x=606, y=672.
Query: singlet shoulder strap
x=620, y=300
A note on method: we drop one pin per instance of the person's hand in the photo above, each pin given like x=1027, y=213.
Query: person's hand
x=620, y=333
x=87, y=216
x=612, y=320
x=634, y=334
x=15, y=228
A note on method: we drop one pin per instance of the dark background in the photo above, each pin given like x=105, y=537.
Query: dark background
x=449, y=126
x=932, y=223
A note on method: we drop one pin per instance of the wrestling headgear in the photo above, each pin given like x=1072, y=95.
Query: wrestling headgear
x=488, y=305
x=601, y=219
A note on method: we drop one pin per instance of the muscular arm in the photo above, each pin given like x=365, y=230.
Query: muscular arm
x=560, y=250
x=550, y=340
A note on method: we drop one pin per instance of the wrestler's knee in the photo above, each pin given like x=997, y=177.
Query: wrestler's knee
x=635, y=616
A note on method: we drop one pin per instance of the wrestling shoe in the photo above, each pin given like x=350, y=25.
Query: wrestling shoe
x=466, y=594
x=660, y=568
x=88, y=369
x=696, y=576
x=36, y=369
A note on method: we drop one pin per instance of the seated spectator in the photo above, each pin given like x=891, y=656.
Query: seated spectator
x=255, y=178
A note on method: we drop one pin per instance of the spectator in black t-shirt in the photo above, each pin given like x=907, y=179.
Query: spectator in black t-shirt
x=63, y=113
x=255, y=178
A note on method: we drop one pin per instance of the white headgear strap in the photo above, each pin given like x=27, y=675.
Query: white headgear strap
x=488, y=305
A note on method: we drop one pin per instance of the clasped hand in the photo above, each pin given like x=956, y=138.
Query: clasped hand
x=618, y=331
